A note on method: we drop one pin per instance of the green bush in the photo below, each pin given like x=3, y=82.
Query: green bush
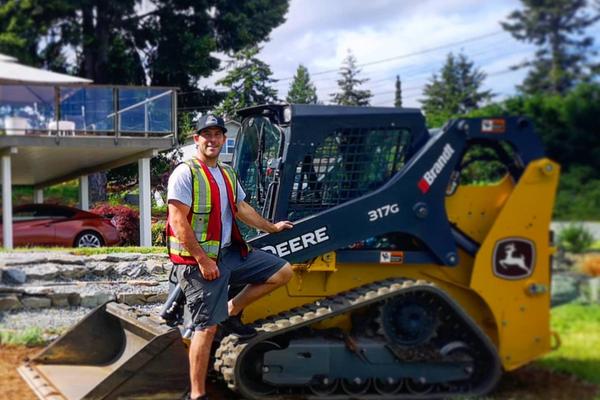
x=29, y=337
x=158, y=233
x=575, y=238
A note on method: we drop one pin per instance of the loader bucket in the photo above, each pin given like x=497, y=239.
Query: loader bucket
x=114, y=352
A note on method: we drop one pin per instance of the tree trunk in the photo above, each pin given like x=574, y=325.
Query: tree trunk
x=97, y=184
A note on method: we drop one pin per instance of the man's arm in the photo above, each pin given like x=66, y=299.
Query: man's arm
x=249, y=216
x=178, y=213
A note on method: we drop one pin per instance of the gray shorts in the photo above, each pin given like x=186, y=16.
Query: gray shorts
x=207, y=300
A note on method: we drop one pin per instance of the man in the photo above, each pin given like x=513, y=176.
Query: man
x=209, y=253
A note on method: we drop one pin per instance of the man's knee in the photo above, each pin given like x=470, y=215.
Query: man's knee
x=283, y=276
x=207, y=332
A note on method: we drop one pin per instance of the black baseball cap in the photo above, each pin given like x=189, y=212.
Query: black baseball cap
x=207, y=121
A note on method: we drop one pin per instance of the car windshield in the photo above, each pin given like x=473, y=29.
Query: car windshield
x=259, y=144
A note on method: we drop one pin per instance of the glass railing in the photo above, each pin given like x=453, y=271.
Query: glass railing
x=87, y=110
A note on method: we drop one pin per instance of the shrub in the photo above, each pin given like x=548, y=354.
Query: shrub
x=575, y=238
x=29, y=337
x=158, y=233
x=125, y=219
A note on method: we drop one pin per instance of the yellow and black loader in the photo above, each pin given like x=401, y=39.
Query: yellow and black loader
x=422, y=266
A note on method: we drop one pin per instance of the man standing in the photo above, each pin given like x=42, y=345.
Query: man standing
x=208, y=250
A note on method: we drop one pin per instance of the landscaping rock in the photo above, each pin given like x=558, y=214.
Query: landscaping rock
x=10, y=302
x=36, y=302
x=155, y=267
x=60, y=299
x=103, y=268
x=45, y=271
x=157, y=298
x=132, y=270
x=95, y=299
x=13, y=275
x=74, y=299
x=73, y=271
x=132, y=299
x=119, y=257
x=67, y=259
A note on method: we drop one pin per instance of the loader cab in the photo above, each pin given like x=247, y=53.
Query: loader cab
x=297, y=160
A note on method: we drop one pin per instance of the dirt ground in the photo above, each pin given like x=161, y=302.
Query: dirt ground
x=528, y=383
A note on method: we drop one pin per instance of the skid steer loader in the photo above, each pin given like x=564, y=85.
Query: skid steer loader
x=414, y=278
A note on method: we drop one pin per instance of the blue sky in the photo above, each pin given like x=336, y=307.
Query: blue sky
x=319, y=33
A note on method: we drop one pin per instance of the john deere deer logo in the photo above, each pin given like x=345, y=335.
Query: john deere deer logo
x=514, y=258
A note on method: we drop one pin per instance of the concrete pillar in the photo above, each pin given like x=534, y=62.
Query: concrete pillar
x=84, y=193
x=145, y=202
x=38, y=196
x=7, y=231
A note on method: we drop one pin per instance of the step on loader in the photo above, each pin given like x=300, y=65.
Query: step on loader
x=421, y=266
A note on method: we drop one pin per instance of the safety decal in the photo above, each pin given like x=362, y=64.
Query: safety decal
x=493, y=125
x=514, y=258
x=391, y=257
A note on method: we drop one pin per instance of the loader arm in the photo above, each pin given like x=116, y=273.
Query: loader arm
x=411, y=202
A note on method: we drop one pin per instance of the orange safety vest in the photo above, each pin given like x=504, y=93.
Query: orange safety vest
x=205, y=214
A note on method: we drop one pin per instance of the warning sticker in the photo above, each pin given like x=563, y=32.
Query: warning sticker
x=391, y=257
x=493, y=126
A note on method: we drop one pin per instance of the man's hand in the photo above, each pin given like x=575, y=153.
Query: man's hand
x=282, y=226
x=208, y=269
x=249, y=216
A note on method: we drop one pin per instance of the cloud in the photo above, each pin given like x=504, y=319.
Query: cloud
x=318, y=34
x=419, y=35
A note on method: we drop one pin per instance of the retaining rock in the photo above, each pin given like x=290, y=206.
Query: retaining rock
x=96, y=299
x=35, y=302
x=10, y=302
x=13, y=275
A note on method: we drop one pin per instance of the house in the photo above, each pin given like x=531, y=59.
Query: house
x=55, y=128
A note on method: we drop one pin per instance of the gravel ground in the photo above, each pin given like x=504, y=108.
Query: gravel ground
x=53, y=320
x=48, y=319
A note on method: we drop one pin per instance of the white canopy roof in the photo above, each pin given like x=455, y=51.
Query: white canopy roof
x=12, y=72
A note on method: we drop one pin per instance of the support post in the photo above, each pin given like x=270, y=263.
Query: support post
x=84, y=193
x=7, y=231
x=38, y=196
x=145, y=202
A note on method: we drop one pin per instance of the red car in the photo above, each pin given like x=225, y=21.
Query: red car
x=55, y=225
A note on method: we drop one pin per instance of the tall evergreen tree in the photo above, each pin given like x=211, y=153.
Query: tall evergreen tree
x=557, y=28
x=398, y=93
x=456, y=91
x=302, y=91
x=170, y=44
x=349, y=94
x=249, y=82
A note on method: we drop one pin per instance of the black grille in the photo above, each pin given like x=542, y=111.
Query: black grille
x=347, y=164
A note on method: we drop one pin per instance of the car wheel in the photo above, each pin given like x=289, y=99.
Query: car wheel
x=88, y=239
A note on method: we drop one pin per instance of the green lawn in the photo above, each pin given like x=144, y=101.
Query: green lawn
x=579, y=329
x=88, y=251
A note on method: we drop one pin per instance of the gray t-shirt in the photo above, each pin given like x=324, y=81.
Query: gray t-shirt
x=180, y=188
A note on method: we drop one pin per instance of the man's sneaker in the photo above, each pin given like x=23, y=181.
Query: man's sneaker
x=233, y=325
x=188, y=397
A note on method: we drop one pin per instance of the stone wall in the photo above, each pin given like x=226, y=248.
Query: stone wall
x=60, y=280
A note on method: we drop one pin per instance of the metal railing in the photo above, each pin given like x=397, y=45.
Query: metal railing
x=83, y=110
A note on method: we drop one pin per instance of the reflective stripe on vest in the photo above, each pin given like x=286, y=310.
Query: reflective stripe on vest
x=211, y=248
x=205, y=214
